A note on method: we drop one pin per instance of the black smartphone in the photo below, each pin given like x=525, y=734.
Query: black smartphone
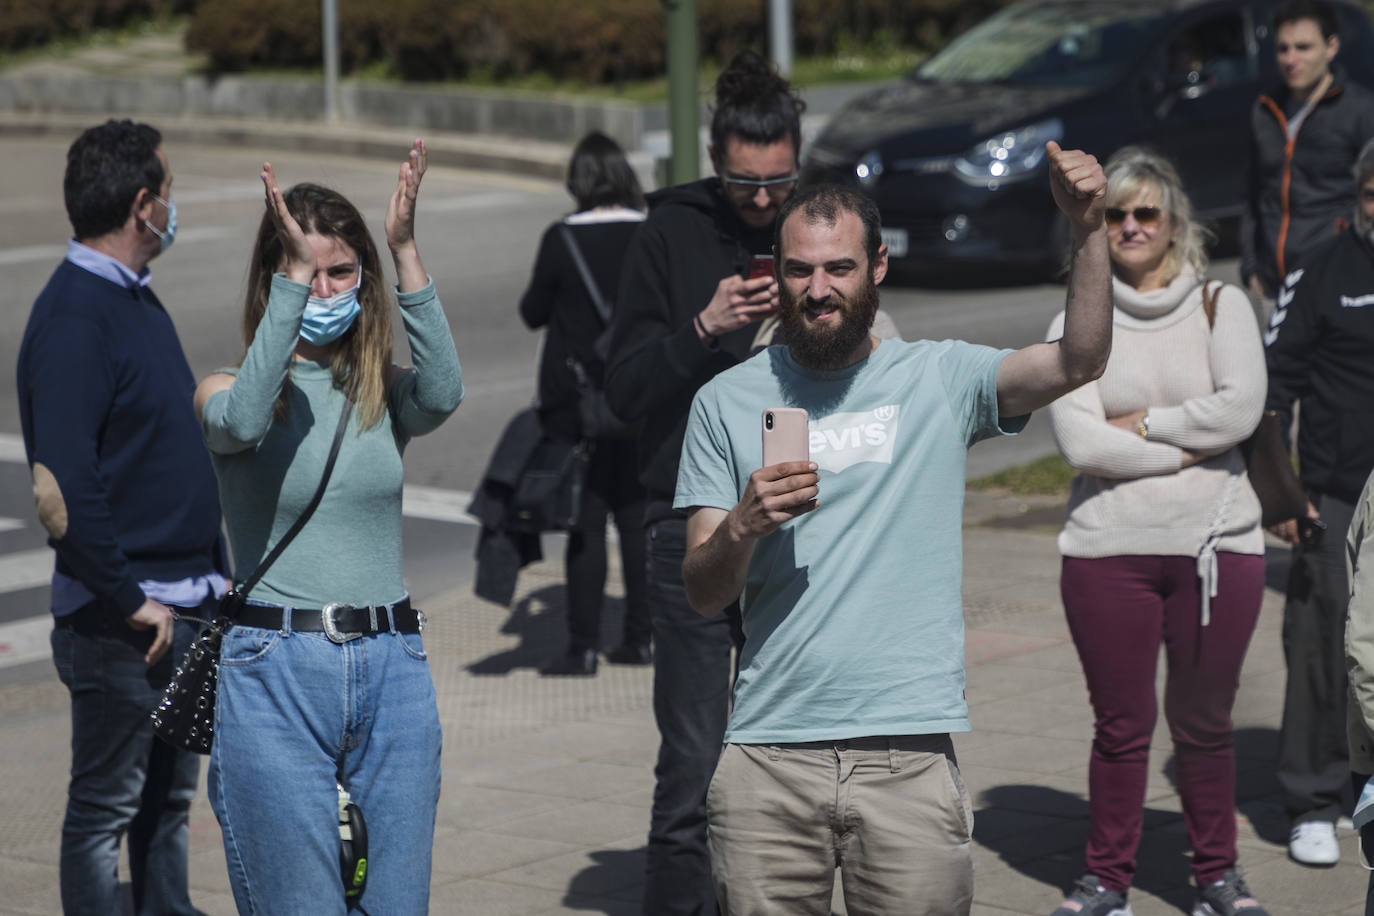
x=1311, y=531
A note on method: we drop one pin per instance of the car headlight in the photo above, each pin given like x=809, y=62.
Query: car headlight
x=1008, y=156
x=869, y=168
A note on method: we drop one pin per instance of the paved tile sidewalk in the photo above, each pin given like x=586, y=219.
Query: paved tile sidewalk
x=547, y=782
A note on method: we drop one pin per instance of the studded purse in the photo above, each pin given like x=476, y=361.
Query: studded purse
x=185, y=715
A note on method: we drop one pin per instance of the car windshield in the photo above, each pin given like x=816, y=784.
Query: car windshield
x=1060, y=44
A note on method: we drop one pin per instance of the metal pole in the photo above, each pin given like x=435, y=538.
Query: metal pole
x=683, y=120
x=330, y=15
x=780, y=34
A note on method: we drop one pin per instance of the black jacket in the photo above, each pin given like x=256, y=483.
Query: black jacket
x=1320, y=351
x=1301, y=195
x=691, y=241
x=558, y=298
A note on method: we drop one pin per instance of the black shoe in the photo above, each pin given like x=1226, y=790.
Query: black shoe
x=579, y=662
x=630, y=653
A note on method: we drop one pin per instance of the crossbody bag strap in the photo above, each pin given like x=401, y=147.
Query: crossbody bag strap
x=602, y=307
x=309, y=510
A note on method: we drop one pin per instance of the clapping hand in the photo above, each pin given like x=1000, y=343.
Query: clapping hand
x=400, y=212
x=299, y=254
x=1079, y=187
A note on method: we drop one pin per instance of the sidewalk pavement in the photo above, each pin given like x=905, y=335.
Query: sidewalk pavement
x=548, y=782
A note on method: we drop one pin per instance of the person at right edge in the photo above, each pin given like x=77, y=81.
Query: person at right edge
x=1359, y=661
x=1303, y=139
x=1320, y=352
x=686, y=312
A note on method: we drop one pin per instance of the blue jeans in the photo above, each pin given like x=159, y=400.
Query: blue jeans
x=123, y=779
x=297, y=712
x=692, y=678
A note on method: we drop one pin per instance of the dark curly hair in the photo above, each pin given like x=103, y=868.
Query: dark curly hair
x=755, y=103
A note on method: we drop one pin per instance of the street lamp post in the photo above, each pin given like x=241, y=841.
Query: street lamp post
x=682, y=91
x=780, y=34
x=330, y=16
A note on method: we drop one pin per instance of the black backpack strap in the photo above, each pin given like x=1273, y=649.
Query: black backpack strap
x=309, y=510
x=603, y=308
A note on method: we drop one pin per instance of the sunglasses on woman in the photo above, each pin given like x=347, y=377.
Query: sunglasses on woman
x=1144, y=216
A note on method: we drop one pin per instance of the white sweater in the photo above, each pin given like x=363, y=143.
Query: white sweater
x=1204, y=390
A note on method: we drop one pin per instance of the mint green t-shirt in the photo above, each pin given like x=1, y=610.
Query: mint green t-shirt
x=853, y=613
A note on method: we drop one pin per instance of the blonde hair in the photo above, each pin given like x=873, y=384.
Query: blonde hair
x=1133, y=168
x=360, y=360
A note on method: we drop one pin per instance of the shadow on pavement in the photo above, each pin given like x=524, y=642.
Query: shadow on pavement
x=540, y=621
x=1041, y=832
x=614, y=871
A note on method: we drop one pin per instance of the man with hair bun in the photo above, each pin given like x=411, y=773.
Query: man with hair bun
x=685, y=312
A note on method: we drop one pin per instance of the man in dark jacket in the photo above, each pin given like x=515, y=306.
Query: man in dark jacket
x=125, y=489
x=1320, y=350
x=1304, y=138
x=686, y=311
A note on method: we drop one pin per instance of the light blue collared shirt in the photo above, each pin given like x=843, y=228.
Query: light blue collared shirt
x=68, y=594
x=106, y=267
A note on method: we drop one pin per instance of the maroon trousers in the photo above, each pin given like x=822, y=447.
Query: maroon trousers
x=1120, y=610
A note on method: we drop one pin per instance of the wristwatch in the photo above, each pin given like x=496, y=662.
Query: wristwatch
x=1144, y=427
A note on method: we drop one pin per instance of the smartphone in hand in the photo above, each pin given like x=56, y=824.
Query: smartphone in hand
x=1311, y=531
x=761, y=265
x=785, y=435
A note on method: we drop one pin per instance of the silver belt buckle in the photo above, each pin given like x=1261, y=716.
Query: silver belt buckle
x=420, y=617
x=331, y=624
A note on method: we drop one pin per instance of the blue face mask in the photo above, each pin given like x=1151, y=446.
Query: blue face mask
x=169, y=235
x=326, y=320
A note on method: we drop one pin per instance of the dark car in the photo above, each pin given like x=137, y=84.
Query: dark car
x=954, y=153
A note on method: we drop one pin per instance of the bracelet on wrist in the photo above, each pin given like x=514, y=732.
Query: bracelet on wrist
x=712, y=341
x=1144, y=427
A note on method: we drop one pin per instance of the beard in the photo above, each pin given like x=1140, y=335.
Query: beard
x=819, y=346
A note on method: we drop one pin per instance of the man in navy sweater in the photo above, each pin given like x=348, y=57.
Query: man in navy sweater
x=124, y=487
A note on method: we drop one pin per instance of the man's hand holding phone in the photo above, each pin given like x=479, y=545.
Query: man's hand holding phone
x=738, y=302
x=775, y=494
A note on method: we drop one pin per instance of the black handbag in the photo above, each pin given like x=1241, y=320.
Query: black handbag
x=1268, y=463
x=548, y=493
x=185, y=715
x=598, y=420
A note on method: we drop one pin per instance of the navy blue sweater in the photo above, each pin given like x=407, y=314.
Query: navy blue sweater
x=105, y=401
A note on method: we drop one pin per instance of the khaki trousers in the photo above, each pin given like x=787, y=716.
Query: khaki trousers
x=892, y=813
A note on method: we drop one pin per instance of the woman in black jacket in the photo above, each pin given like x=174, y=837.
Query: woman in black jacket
x=610, y=207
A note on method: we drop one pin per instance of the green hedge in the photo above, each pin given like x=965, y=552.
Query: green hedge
x=592, y=40
x=28, y=23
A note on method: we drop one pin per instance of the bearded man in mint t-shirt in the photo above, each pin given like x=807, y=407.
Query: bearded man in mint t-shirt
x=848, y=566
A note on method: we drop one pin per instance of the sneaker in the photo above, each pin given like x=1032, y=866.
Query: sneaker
x=1227, y=897
x=1314, y=843
x=1090, y=898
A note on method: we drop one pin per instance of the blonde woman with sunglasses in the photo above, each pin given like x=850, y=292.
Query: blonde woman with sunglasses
x=1162, y=545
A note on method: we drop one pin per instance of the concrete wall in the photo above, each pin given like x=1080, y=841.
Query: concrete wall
x=493, y=113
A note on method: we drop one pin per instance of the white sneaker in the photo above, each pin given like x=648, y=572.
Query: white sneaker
x=1314, y=843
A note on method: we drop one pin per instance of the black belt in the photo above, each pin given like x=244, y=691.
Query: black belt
x=340, y=622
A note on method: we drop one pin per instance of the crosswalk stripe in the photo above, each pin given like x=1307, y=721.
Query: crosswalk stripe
x=434, y=503
x=25, y=569
x=25, y=640
x=12, y=448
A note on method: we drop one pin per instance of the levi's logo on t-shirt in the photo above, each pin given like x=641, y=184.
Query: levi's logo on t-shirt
x=844, y=439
